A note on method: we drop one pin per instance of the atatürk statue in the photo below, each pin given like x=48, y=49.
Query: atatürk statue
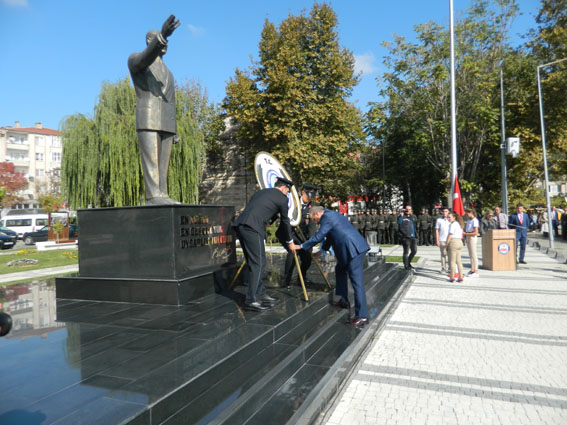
x=155, y=111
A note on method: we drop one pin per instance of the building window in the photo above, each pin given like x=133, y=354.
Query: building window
x=56, y=142
x=55, y=156
x=39, y=141
x=39, y=156
x=39, y=172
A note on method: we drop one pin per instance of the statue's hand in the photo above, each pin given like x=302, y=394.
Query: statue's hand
x=169, y=26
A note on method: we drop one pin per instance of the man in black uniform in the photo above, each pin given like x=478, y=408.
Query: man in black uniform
x=393, y=228
x=423, y=223
x=250, y=228
x=381, y=227
x=308, y=228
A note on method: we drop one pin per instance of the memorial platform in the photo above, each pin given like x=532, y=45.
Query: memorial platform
x=207, y=361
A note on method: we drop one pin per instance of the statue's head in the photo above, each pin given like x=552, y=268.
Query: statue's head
x=151, y=34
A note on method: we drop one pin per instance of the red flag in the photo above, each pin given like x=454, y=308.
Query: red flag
x=457, y=200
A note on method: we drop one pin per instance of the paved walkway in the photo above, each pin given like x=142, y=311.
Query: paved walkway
x=491, y=350
x=37, y=274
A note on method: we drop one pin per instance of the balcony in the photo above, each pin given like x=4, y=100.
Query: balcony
x=18, y=145
x=20, y=162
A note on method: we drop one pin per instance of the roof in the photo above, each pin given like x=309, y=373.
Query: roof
x=48, y=131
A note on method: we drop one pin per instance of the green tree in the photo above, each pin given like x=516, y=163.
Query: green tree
x=292, y=103
x=101, y=160
x=413, y=123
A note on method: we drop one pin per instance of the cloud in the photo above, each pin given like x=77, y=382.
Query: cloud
x=15, y=3
x=196, y=31
x=365, y=63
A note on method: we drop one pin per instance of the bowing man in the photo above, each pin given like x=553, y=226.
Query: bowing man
x=350, y=248
x=250, y=228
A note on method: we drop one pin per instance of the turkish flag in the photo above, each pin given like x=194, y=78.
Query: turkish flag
x=457, y=200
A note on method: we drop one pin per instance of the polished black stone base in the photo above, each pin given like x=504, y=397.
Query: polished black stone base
x=208, y=361
x=151, y=291
x=166, y=254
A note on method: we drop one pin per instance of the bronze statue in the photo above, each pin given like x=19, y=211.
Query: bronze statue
x=155, y=111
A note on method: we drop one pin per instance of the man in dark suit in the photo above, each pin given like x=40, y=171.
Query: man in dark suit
x=307, y=227
x=155, y=111
x=520, y=221
x=350, y=248
x=250, y=228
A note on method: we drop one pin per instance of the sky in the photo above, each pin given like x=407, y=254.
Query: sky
x=57, y=53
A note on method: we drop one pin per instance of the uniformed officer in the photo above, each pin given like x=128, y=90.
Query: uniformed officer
x=250, y=228
x=386, y=227
x=308, y=228
x=393, y=228
x=354, y=220
x=423, y=223
x=381, y=227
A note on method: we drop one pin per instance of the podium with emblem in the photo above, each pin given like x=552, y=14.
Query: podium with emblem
x=499, y=250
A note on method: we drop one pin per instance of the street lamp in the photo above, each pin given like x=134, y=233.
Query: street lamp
x=542, y=120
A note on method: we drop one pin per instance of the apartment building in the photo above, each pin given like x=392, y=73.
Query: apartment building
x=36, y=152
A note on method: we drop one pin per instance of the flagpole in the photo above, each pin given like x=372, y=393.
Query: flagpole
x=453, y=107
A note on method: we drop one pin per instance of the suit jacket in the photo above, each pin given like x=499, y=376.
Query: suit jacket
x=263, y=205
x=336, y=231
x=514, y=223
x=155, y=88
x=501, y=221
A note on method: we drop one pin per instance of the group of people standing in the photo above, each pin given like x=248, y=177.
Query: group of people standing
x=377, y=226
x=451, y=231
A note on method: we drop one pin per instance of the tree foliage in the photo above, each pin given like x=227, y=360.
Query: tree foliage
x=292, y=102
x=101, y=160
x=10, y=183
x=413, y=123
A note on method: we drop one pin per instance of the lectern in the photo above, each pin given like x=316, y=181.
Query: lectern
x=499, y=249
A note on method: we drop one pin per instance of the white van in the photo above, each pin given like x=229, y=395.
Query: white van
x=24, y=223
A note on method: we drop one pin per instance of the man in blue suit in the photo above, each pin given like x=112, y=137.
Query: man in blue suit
x=350, y=248
x=520, y=221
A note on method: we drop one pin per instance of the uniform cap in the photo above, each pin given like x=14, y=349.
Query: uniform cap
x=285, y=181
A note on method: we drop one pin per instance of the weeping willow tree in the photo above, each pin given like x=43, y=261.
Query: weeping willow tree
x=101, y=164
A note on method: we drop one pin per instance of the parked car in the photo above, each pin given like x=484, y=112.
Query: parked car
x=8, y=232
x=30, y=238
x=7, y=241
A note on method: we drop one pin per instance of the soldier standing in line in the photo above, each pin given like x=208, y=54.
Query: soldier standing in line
x=381, y=228
x=367, y=224
x=423, y=227
x=431, y=233
x=386, y=227
x=355, y=220
x=393, y=227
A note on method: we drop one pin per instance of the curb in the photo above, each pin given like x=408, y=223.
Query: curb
x=552, y=253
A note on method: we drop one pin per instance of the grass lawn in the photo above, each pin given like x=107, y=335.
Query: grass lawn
x=398, y=259
x=45, y=259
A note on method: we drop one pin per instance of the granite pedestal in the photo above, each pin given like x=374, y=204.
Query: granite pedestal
x=166, y=254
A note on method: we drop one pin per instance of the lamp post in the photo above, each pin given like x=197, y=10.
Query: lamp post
x=542, y=120
x=504, y=178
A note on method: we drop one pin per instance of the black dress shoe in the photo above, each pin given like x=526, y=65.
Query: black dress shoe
x=256, y=306
x=342, y=304
x=522, y=262
x=359, y=321
x=268, y=299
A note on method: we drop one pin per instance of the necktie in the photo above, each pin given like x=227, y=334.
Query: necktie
x=498, y=221
x=521, y=218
